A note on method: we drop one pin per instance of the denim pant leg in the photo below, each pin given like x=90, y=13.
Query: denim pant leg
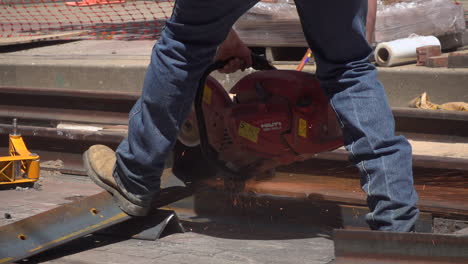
x=335, y=31
x=186, y=48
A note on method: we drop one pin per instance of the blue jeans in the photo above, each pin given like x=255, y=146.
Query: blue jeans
x=335, y=31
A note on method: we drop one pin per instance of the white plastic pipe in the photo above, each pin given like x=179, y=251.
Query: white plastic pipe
x=401, y=51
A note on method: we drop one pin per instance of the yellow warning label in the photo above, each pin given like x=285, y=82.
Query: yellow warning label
x=302, y=130
x=248, y=131
x=207, y=93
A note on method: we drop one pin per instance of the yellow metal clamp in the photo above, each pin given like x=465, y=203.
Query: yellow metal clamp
x=21, y=166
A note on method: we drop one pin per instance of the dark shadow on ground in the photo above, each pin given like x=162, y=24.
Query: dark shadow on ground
x=148, y=228
x=230, y=227
x=256, y=217
x=73, y=247
x=250, y=228
x=33, y=45
x=17, y=186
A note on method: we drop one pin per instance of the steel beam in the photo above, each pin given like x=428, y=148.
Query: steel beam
x=49, y=229
x=60, y=225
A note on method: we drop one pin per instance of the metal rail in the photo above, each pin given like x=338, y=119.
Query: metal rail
x=371, y=247
x=40, y=110
x=434, y=122
x=419, y=161
x=46, y=106
x=40, y=105
x=67, y=145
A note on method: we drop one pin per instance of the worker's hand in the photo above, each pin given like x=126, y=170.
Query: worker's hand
x=234, y=48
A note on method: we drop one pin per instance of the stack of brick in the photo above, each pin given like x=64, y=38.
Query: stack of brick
x=431, y=56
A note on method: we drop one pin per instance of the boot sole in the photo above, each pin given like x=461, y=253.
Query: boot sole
x=123, y=203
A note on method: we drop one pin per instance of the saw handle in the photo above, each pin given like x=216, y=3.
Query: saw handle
x=259, y=63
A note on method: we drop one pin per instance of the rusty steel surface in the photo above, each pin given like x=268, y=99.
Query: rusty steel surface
x=441, y=191
x=420, y=161
x=372, y=247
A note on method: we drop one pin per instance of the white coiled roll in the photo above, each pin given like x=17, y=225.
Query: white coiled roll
x=401, y=51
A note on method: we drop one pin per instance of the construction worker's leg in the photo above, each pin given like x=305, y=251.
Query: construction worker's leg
x=335, y=31
x=186, y=47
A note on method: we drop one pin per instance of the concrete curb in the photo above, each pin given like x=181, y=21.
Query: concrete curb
x=126, y=73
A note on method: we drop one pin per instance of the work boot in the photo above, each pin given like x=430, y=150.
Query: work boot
x=99, y=162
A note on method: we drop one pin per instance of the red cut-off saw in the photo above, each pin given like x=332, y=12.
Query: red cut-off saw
x=269, y=118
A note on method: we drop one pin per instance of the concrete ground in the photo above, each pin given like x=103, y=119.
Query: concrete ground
x=213, y=239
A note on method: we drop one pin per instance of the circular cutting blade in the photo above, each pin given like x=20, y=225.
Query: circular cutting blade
x=188, y=134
